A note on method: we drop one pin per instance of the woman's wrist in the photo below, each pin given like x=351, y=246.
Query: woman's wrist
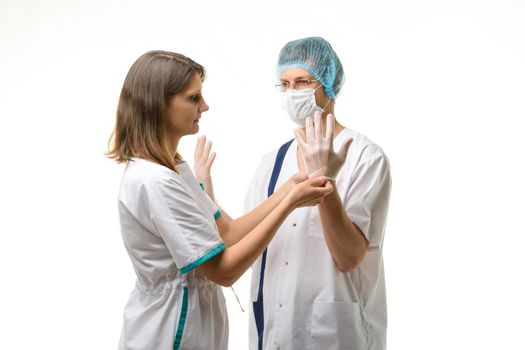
x=287, y=203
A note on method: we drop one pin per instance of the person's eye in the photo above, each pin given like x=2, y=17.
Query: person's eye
x=285, y=84
x=302, y=82
x=195, y=98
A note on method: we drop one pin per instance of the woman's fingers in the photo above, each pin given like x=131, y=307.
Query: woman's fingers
x=311, y=190
x=201, y=141
x=318, y=181
x=202, y=151
x=314, y=191
x=196, y=152
x=300, y=177
x=211, y=159
x=207, y=148
x=325, y=187
x=203, y=160
x=320, y=185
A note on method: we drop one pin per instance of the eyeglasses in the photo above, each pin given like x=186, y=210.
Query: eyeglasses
x=296, y=84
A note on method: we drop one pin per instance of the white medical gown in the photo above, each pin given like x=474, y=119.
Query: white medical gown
x=168, y=228
x=308, y=302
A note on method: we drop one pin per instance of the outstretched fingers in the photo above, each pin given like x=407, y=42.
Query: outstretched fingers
x=199, y=148
x=207, y=149
x=310, y=131
x=330, y=127
x=318, y=127
x=210, y=160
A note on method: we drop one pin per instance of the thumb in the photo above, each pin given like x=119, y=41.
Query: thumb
x=343, y=151
x=300, y=177
x=329, y=188
x=318, y=181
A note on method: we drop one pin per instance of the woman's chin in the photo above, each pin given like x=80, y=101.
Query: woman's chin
x=195, y=129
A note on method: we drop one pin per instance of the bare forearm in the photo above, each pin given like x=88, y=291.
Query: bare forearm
x=235, y=260
x=233, y=231
x=225, y=216
x=344, y=239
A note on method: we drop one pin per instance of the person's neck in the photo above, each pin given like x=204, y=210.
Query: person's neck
x=174, y=146
x=338, y=127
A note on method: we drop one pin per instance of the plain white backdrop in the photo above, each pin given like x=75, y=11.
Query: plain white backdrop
x=440, y=85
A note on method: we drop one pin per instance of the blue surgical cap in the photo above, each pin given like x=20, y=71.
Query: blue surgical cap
x=316, y=56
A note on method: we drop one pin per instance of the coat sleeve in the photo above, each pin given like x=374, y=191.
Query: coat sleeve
x=187, y=231
x=366, y=201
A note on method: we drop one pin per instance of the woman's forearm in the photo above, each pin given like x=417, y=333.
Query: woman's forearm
x=229, y=266
x=233, y=231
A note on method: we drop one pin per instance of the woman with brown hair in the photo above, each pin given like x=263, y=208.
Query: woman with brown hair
x=181, y=247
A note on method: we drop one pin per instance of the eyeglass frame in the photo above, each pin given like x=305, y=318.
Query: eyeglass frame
x=300, y=81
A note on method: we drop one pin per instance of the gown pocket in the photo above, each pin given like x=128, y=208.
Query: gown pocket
x=336, y=326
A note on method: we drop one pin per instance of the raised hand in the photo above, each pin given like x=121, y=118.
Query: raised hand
x=317, y=147
x=202, y=164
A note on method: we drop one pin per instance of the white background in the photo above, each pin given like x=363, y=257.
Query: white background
x=440, y=85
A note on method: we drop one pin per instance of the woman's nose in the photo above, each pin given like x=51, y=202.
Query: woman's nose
x=204, y=107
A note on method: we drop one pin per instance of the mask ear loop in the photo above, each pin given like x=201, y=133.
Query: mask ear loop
x=329, y=99
x=327, y=103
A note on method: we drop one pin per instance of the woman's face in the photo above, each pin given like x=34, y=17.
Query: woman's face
x=185, y=108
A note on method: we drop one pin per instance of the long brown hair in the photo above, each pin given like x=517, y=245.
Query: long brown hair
x=140, y=129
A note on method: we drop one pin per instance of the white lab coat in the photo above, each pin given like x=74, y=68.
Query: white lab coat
x=168, y=228
x=308, y=302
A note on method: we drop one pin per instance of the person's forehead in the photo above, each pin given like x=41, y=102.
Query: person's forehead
x=295, y=73
x=194, y=84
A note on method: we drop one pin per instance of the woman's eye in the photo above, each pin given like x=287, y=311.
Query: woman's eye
x=195, y=98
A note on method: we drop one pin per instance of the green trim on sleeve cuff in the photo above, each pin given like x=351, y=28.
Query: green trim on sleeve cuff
x=218, y=214
x=202, y=186
x=202, y=259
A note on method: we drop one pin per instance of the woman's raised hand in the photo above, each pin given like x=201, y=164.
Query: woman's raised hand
x=202, y=159
x=202, y=162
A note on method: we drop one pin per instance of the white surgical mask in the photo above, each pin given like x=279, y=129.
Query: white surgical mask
x=300, y=104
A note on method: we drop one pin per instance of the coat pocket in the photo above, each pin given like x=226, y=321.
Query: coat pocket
x=336, y=326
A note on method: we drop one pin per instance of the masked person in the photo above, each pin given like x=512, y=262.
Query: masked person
x=181, y=247
x=320, y=284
